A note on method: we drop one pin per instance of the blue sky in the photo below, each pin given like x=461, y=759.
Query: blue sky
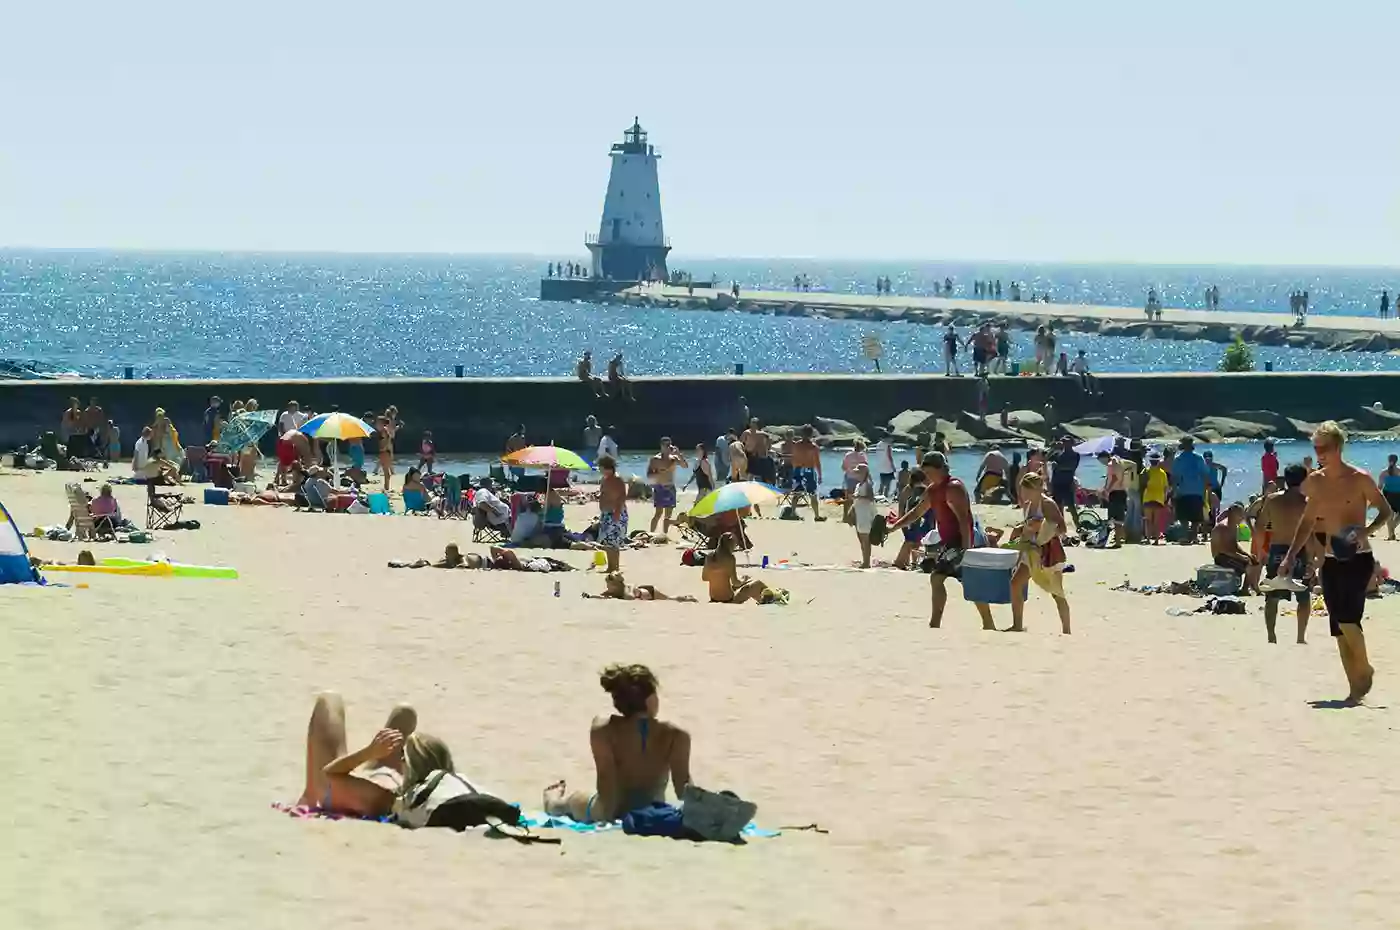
x=1233, y=131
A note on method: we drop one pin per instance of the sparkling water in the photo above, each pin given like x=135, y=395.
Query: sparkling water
x=294, y=316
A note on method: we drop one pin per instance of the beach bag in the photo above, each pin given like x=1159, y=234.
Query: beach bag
x=656, y=819
x=718, y=816
x=446, y=799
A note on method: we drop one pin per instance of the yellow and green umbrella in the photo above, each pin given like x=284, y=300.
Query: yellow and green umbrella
x=546, y=457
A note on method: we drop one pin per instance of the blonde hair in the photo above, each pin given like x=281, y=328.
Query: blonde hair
x=423, y=754
x=1032, y=480
x=1331, y=431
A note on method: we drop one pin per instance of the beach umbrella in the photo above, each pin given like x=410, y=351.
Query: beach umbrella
x=243, y=430
x=1097, y=446
x=546, y=457
x=735, y=496
x=335, y=427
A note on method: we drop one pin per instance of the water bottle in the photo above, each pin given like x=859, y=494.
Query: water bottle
x=556, y=589
x=765, y=562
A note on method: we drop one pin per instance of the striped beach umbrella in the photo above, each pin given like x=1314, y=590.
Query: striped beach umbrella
x=546, y=457
x=735, y=496
x=336, y=426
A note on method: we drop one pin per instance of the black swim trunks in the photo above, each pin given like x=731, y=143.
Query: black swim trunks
x=762, y=468
x=1062, y=493
x=1118, y=505
x=1393, y=499
x=1190, y=508
x=1344, y=584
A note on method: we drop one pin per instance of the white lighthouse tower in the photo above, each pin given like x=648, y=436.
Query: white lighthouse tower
x=631, y=242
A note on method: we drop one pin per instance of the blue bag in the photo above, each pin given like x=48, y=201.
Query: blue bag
x=656, y=819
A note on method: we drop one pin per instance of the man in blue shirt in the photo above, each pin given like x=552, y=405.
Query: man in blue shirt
x=1190, y=488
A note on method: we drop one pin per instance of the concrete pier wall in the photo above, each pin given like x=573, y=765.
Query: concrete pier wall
x=476, y=415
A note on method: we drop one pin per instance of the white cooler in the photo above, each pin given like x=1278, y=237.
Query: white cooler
x=986, y=575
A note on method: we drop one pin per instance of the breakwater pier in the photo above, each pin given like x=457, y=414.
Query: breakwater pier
x=1333, y=333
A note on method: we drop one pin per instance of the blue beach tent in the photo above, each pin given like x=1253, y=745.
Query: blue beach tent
x=14, y=557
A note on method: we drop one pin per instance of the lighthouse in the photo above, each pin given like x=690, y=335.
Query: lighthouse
x=631, y=243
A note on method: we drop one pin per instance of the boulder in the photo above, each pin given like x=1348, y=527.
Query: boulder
x=1298, y=340
x=1087, y=428
x=721, y=301
x=1228, y=427
x=911, y=423
x=991, y=429
x=1373, y=419
x=1159, y=429
x=1269, y=336
x=837, y=431
x=1280, y=426
x=1217, y=332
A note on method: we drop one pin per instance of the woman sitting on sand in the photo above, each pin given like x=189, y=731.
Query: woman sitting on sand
x=368, y=781
x=722, y=573
x=615, y=588
x=634, y=753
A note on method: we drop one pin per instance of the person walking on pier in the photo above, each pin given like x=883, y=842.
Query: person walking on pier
x=950, y=352
x=1385, y=304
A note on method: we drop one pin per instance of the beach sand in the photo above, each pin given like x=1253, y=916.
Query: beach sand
x=1149, y=770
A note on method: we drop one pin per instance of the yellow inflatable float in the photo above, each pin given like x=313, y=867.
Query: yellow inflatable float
x=146, y=569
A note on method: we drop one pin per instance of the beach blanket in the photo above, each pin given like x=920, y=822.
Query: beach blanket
x=538, y=820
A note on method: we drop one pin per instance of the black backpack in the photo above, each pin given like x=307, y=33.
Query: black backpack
x=446, y=799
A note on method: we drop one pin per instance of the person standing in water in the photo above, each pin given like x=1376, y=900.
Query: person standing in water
x=1278, y=523
x=1339, y=495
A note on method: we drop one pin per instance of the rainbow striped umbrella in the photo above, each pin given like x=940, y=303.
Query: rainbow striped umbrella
x=336, y=426
x=546, y=457
x=735, y=496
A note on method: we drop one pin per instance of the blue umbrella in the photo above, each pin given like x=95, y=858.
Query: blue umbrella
x=244, y=430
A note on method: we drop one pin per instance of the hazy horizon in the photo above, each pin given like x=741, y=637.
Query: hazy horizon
x=1247, y=134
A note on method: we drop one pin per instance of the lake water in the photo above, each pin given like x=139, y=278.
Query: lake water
x=293, y=316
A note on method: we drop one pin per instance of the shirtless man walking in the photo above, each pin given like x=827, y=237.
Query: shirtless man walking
x=1339, y=495
x=661, y=472
x=1278, y=520
x=947, y=497
x=806, y=471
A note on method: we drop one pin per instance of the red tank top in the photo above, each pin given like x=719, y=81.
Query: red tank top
x=949, y=529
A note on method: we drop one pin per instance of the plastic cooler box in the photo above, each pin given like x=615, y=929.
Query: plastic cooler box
x=986, y=575
x=215, y=496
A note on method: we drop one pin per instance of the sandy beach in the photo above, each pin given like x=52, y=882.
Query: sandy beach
x=1149, y=770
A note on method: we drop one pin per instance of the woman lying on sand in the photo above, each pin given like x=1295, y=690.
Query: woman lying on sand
x=366, y=782
x=498, y=558
x=633, y=752
x=615, y=588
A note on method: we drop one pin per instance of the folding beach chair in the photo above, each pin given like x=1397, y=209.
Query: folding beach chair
x=162, y=510
x=484, y=532
x=80, y=518
x=451, y=505
x=414, y=502
x=498, y=476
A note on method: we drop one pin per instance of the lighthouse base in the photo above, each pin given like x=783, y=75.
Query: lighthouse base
x=622, y=262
